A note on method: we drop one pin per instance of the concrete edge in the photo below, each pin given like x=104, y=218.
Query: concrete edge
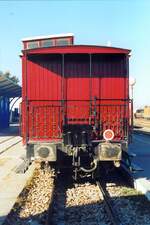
x=27, y=177
x=142, y=185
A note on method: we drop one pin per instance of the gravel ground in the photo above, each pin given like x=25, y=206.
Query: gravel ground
x=132, y=207
x=80, y=204
x=32, y=204
x=85, y=206
x=76, y=204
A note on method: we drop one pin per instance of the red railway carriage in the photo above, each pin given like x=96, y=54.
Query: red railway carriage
x=75, y=101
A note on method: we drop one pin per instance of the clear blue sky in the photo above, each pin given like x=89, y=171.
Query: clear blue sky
x=125, y=23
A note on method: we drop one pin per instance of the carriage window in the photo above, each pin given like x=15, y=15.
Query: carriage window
x=47, y=43
x=62, y=42
x=32, y=44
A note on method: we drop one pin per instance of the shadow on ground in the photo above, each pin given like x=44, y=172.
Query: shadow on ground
x=132, y=209
x=12, y=130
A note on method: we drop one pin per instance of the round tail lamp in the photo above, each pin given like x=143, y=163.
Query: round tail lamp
x=108, y=135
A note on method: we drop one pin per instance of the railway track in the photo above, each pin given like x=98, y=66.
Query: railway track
x=109, y=206
x=57, y=213
x=90, y=203
x=56, y=200
x=81, y=204
x=4, y=139
x=8, y=143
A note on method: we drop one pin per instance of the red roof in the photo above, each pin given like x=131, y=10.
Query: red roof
x=89, y=49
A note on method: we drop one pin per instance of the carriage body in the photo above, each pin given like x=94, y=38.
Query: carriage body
x=75, y=103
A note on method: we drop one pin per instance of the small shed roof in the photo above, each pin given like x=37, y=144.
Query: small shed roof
x=9, y=88
x=48, y=36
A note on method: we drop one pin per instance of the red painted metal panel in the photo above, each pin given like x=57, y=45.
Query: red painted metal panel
x=77, y=76
x=81, y=91
x=109, y=84
x=44, y=78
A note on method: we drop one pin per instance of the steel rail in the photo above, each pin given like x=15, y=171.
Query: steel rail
x=57, y=183
x=109, y=208
x=49, y=216
x=9, y=138
x=9, y=147
x=50, y=209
